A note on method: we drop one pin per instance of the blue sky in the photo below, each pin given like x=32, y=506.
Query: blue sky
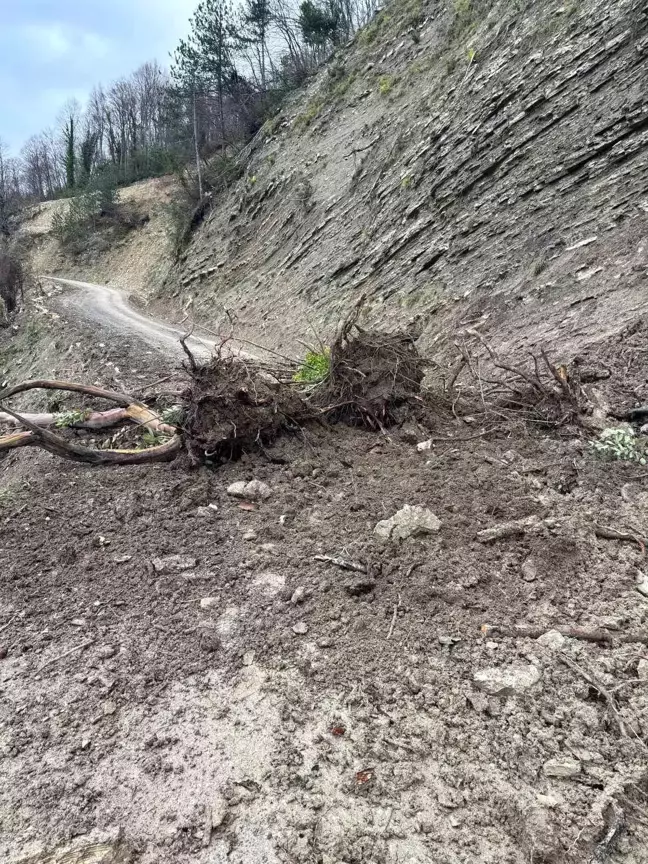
x=53, y=50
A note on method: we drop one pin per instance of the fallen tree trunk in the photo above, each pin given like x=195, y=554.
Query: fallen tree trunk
x=59, y=446
x=38, y=435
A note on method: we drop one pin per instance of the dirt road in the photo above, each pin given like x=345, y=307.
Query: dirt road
x=109, y=308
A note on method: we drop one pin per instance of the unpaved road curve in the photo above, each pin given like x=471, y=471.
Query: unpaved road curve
x=109, y=308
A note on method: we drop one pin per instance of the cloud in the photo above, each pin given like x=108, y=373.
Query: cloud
x=54, y=41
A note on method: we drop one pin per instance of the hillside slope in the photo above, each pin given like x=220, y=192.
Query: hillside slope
x=138, y=261
x=467, y=162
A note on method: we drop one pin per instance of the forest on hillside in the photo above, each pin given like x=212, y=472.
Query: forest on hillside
x=222, y=83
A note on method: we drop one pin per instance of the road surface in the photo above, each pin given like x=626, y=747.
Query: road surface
x=109, y=308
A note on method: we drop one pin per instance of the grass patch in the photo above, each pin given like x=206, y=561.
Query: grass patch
x=315, y=368
x=386, y=84
x=312, y=112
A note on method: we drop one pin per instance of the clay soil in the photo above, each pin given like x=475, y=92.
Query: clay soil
x=180, y=671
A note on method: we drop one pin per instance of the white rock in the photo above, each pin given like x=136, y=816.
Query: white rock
x=552, y=639
x=299, y=595
x=549, y=801
x=424, y=445
x=529, y=571
x=173, y=564
x=255, y=490
x=642, y=586
x=507, y=681
x=237, y=490
x=248, y=658
x=300, y=629
x=207, y=512
x=642, y=670
x=209, y=602
x=408, y=522
x=562, y=767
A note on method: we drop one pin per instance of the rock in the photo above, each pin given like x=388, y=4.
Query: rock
x=208, y=512
x=302, y=468
x=255, y=490
x=104, y=652
x=552, y=639
x=301, y=629
x=642, y=668
x=250, y=535
x=611, y=622
x=642, y=587
x=408, y=522
x=298, y=596
x=248, y=658
x=108, y=709
x=122, y=559
x=509, y=681
x=218, y=812
x=360, y=585
x=562, y=767
x=424, y=446
x=549, y=801
x=173, y=564
x=209, y=602
x=237, y=490
x=529, y=571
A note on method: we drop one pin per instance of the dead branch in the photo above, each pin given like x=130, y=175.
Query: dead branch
x=59, y=446
x=342, y=563
x=611, y=534
x=16, y=439
x=596, y=684
x=193, y=366
x=603, y=637
x=122, y=399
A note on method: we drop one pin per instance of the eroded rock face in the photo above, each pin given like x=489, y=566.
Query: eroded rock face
x=496, y=185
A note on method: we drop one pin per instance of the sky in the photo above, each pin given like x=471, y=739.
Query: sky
x=54, y=50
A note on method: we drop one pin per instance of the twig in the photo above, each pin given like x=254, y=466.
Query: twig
x=599, y=636
x=394, y=616
x=192, y=360
x=8, y=624
x=611, y=534
x=603, y=848
x=65, y=654
x=343, y=563
x=599, y=688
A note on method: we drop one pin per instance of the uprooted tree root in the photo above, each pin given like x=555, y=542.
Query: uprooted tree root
x=536, y=391
x=371, y=375
x=236, y=406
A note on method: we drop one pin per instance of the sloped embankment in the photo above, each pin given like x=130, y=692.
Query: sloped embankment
x=465, y=163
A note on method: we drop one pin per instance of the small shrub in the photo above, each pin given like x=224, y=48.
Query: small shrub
x=312, y=112
x=12, y=278
x=96, y=206
x=315, y=368
x=385, y=84
x=464, y=16
x=68, y=418
x=188, y=209
x=619, y=444
x=406, y=181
